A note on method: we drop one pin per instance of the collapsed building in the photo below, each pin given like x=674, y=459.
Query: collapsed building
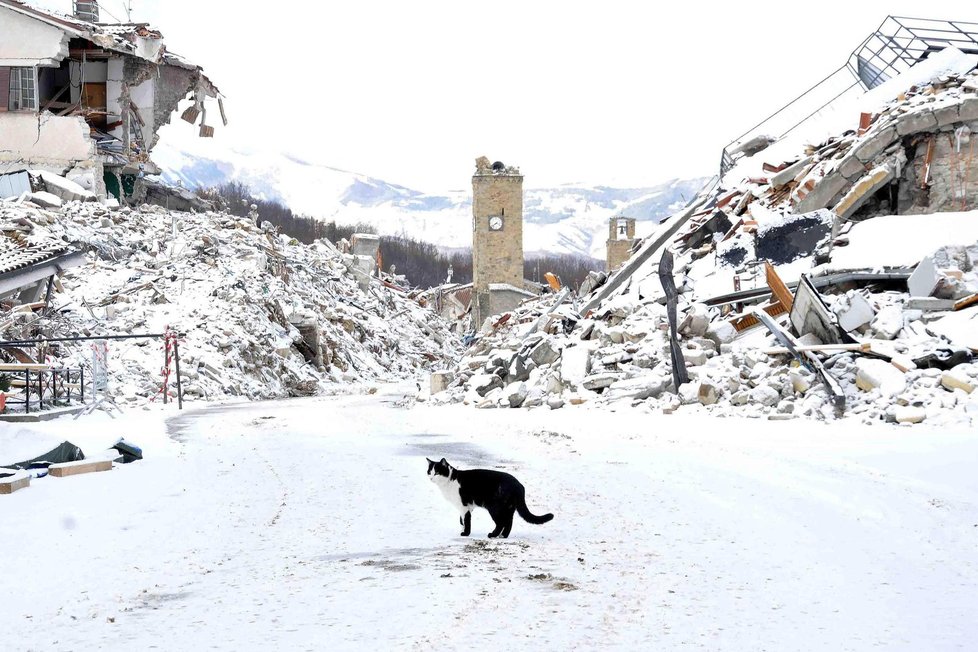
x=830, y=268
x=85, y=99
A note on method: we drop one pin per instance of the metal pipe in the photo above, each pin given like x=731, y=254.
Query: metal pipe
x=19, y=343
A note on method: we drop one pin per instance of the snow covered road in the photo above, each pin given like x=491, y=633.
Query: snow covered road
x=310, y=524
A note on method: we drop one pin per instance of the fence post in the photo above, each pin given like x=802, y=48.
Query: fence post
x=166, y=367
x=176, y=356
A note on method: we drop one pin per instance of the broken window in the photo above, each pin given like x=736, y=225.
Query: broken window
x=23, y=90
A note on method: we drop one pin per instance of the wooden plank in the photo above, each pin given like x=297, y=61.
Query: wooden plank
x=744, y=322
x=77, y=468
x=17, y=366
x=966, y=302
x=778, y=288
x=819, y=348
x=16, y=482
x=726, y=198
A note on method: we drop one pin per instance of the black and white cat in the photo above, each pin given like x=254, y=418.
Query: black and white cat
x=499, y=493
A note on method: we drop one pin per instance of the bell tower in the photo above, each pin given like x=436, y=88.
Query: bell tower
x=497, y=235
x=621, y=238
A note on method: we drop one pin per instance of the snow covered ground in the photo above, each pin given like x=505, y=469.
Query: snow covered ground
x=310, y=524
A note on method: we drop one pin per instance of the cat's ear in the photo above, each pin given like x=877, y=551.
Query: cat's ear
x=444, y=461
x=430, y=461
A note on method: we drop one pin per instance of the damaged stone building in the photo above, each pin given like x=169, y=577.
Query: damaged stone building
x=85, y=99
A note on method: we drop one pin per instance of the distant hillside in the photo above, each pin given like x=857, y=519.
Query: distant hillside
x=567, y=219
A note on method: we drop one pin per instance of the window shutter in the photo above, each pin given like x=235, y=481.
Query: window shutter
x=4, y=87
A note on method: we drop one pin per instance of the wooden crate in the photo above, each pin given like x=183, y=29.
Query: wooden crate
x=77, y=468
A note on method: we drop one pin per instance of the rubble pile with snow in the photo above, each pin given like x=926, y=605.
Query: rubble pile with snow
x=621, y=356
x=882, y=221
x=260, y=314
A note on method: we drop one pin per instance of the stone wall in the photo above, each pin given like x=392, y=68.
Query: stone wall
x=952, y=181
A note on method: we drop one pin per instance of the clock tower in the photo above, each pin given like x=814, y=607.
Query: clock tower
x=497, y=236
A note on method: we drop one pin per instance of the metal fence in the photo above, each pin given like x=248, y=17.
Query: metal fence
x=47, y=388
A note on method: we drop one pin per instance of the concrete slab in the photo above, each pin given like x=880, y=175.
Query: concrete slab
x=870, y=148
x=851, y=167
x=823, y=193
x=968, y=110
x=46, y=415
x=789, y=173
x=911, y=123
x=925, y=278
x=930, y=304
x=947, y=115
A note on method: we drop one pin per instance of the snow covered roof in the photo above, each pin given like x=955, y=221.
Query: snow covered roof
x=72, y=25
x=133, y=39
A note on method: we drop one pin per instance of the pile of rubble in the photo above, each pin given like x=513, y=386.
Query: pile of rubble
x=260, y=315
x=898, y=370
x=835, y=280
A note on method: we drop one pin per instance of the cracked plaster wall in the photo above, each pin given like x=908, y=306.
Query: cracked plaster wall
x=44, y=139
x=26, y=41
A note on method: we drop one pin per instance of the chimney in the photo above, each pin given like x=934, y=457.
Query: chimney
x=86, y=10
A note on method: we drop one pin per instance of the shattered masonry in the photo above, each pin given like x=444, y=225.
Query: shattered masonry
x=263, y=315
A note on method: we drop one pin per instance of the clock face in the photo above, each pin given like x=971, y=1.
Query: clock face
x=496, y=223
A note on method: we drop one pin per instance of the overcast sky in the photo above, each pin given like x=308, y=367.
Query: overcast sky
x=604, y=92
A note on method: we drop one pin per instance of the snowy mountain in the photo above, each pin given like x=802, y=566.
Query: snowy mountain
x=565, y=219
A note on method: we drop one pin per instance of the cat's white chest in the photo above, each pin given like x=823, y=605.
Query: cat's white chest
x=450, y=490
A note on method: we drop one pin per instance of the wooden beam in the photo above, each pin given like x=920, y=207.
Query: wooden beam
x=820, y=348
x=778, y=288
x=19, y=480
x=744, y=322
x=967, y=302
x=77, y=468
x=19, y=366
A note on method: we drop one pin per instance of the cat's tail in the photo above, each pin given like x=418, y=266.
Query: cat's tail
x=529, y=516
